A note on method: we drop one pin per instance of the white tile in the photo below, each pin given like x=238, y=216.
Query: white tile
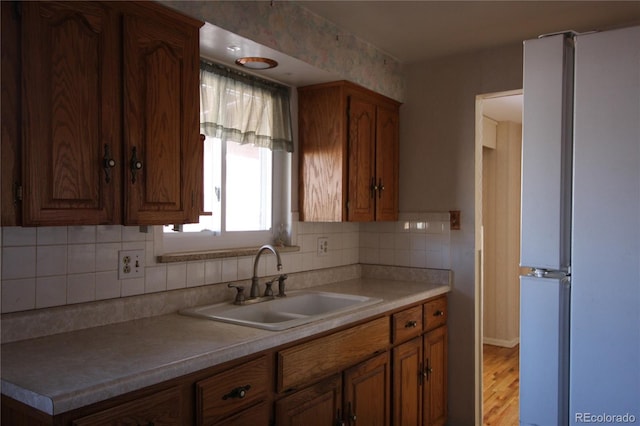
x=18, y=236
x=176, y=275
x=387, y=257
x=418, y=258
x=132, y=287
x=108, y=233
x=402, y=241
x=230, y=269
x=81, y=258
x=51, y=291
x=81, y=288
x=418, y=242
x=107, y=285
x=132, y=233
x=18, y=262
x=387, y=240
x=81, y=234
x=47, y=235
x=245, y=267
x=213, y=271
x=18, y=295
x=155, y=279
x=195, y=274
x=107, y=256
x=434, y=259
x=51, y=260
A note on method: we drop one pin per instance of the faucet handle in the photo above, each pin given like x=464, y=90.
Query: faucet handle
x=240, y=298
x=268, y=292
x=281, y=285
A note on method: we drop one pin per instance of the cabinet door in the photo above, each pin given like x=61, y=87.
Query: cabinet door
x=257, y=415
x=408, y=370
x=161, y=137
x=70, y=106
x=435, y=392
x=318, y=405
x=387, y=145
x=366, y=388
x=362, y=131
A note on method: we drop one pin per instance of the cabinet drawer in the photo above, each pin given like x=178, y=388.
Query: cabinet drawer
x=406, y=324
x=225, y=393
x=160, y=408
x=435, y=313
x=318, y=358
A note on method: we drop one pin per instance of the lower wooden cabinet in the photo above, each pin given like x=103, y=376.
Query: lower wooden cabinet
x=391, y=370
x=360, y=395
x=162, y=408
x=420, y=372
x=233, y=391
x=435, y=384
x=317, y=405
x=366, y=392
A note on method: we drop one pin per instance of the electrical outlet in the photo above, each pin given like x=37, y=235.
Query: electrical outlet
x=130, y=264
x=323, y=246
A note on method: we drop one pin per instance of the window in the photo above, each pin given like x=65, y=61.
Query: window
x=247, y=127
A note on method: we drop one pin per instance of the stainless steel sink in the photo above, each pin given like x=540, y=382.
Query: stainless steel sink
x=297, y=308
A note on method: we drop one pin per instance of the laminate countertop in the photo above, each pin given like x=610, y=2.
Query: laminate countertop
x=62, y=372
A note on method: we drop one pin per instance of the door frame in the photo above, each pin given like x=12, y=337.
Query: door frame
x=478, y=244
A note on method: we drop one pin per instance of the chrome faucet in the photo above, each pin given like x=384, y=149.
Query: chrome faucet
x=254, y=280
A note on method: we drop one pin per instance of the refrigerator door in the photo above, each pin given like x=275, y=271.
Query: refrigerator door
x=605, y=296
x=544, y=350
x=546, y=153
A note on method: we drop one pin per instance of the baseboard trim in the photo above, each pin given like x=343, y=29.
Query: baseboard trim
x=501, y=342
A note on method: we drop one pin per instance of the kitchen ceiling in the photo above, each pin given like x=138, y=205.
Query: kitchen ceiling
x=413, y=31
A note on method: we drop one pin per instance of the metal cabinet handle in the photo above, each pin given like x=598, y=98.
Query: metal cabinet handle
x=438, y=313
x=380, y=188
x=373, y=188
x=108, y=163
x=352, y=415
x=135, y=164
x=411, y=324
x=239, y=392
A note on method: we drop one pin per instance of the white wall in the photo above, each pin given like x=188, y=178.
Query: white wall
x=437, y=143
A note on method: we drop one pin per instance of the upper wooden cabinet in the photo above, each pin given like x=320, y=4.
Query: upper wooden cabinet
x=349, y=140
x=106, y=124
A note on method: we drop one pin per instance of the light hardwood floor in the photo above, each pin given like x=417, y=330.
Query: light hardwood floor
x=500, y=381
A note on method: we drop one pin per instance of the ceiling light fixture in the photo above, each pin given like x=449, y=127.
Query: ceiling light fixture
x=257, y=63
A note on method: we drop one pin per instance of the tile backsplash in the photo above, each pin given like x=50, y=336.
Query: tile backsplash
x=55, y=266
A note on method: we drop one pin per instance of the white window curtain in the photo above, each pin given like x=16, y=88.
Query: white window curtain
x=237, y=107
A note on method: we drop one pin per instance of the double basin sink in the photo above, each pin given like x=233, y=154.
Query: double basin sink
x=280, y=313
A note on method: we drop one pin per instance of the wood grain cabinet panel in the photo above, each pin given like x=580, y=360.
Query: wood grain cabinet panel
x=232, y=391
x=162, y=408
x=99, y=79
x=161, y=101
x=435, y=313
x=302, y=364
x=70, y=112
x=420, y=370
x=366, y=394
x=317, y=405
x=435, y=392
x=406, y=324
x=349, y=139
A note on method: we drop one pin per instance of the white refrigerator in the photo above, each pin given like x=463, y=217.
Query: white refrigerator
x=580, y=230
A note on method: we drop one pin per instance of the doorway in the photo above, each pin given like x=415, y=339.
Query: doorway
x=498, y=159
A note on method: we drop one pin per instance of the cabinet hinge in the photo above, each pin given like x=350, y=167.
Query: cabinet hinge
x=17, y=192
x=348, y=203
